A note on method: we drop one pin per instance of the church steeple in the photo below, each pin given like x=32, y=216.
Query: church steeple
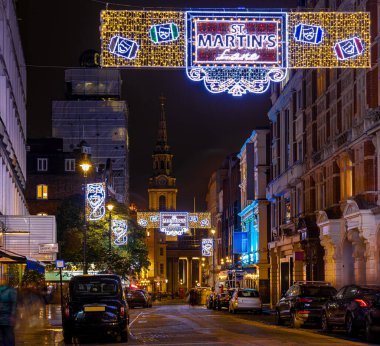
x=162, y=135
x=162, y=177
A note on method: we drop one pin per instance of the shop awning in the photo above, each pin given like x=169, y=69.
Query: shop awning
x=7, y=256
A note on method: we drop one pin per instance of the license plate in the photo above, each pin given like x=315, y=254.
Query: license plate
x=94, y=308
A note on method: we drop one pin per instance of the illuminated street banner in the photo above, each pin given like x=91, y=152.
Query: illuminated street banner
x=235, y=51
x=174, y=223
x=166, y=220
x=207, y=247
x=95, y=201
x=120, y=231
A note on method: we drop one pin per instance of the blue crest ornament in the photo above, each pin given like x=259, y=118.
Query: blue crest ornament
x=123, y=47
x=308, y=33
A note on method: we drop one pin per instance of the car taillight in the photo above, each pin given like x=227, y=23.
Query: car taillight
x=362, y=303
x=304, y=300
x=67, y=312
x=122, y=311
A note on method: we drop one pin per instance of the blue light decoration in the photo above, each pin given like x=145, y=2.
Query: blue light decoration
x=123, y=47
x=236, y=52
x=308, y=33
x=120, y=231
x=95, y=201
x=349, y=49
x=162, y=33
x=207, y=247
x=174, y=223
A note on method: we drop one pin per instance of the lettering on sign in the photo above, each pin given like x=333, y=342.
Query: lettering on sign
x=174, y=224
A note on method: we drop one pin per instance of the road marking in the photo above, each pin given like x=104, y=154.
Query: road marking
x=130, y=324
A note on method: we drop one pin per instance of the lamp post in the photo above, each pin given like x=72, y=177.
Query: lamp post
x=110, y=208
x=85, y=165
x=213, y=254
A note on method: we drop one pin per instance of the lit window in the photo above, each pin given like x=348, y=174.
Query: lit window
x=70, y=165
x=42, y=191
x=42, y=165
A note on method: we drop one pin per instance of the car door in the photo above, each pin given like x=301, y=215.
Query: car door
x=349, y=294
x=332, y=305
x=284, y=303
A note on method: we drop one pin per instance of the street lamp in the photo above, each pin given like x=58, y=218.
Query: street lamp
x=110, y=207
x=85, y=165
x=213, y=251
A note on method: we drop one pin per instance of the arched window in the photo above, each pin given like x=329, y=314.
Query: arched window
x=162, y=203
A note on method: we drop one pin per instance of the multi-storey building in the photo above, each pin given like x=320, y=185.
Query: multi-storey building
x=12, y=114
x=94, y=112
x=324, y=188
x=54, y=175
x=254, y=176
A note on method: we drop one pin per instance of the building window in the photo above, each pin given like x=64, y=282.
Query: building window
x=70, y=165
x=42, y=165
x=161, y=268
x=161, y=251
x=42, y=191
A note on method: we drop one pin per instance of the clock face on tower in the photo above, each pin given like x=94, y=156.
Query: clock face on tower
x=162, y=181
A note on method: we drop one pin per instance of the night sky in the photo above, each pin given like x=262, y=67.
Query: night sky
x=203, y=128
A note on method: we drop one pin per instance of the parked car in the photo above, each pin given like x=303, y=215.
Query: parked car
x=148, y=298
x=223, y=299
x=137, y=298
x=355, y=308
x=303, y=302
x=95, y=304
x=245, y=299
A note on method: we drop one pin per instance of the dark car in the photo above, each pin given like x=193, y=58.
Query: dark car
x=137, y=298
x=355, y=308
x=303, y=302
x=223, y=299
x=148, y=298
x=95, y=304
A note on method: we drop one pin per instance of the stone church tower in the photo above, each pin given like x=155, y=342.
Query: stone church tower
x=162, y=197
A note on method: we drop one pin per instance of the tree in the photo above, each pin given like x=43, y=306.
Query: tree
x=123, y=260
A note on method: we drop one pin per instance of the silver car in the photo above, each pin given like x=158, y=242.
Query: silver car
x=245, y=299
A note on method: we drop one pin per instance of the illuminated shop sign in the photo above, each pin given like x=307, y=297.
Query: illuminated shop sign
x=235, y=51
x=120, y=232
x=207, y=247
x=95, y=201
x=175, y=223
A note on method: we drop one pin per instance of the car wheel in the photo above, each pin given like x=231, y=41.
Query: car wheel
x=325, y=323
x=124, y=336
x=279, y=320
x=67, y=337
x=294, y=321
x=350, y=329
x=369, y=334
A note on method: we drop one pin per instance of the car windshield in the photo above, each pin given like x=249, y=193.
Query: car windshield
x=248, y=294
x=318, y=291
x=95, y=287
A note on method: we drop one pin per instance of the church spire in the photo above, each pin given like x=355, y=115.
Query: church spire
x=162, y=136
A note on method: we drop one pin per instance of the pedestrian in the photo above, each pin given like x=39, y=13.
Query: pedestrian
x=192, y=297
x=8, y=302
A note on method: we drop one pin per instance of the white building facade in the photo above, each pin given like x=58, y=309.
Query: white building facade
x=325, y=182
x=12, y=114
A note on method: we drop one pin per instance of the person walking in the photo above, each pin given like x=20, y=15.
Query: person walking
x=8, y=302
